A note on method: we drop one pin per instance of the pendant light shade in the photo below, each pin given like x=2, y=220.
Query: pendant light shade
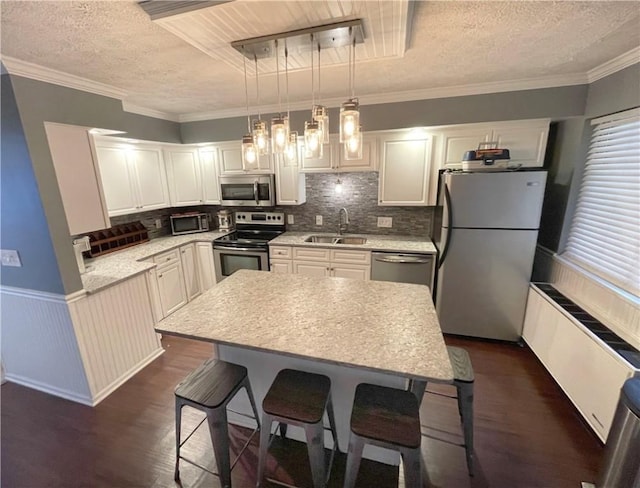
x=279, y=134
x=349, y=119
x=312, y=140
x=353, y=146
x=291, y=153
x=261, y=137
x=321, y=116
x=249, y=152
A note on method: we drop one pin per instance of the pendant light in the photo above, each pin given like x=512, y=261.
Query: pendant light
x=249, y=151
x=349, y=112
x=279, y=124
x=320, y=112
x=260, y=131
x=353, y=146
x=312, y=134
x=291, y=151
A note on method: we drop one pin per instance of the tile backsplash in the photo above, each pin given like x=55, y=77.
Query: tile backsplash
x=359, y=196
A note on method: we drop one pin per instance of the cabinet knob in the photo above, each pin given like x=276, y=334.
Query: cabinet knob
x=168, y=259
x=159, y=276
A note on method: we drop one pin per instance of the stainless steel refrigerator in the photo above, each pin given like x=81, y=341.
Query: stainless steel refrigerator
x=486, y=229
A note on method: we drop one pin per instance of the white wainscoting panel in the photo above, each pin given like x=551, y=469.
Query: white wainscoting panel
x=115, y=334
x=617, y=312
x=39, y=347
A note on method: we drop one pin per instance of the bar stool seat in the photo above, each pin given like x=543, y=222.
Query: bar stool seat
x=209, y=388
x=463, y=380
x=300, y=398
x=389, y=418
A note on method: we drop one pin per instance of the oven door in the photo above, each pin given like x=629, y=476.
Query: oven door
x=228, y=260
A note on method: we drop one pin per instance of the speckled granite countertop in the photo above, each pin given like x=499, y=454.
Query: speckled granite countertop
x=108, y=270
x=374, y=242
x=375, y=325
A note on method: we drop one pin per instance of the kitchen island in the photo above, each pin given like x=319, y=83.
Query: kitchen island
x=352, y=331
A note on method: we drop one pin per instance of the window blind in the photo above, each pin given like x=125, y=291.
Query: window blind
x=604, y=236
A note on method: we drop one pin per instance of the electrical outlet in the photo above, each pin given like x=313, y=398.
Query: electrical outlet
x=158, y=224
x=290, y=219
x=385, y=222
x=318, y=219
x=10, y=258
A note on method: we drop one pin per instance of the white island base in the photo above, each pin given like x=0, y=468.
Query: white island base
x=263, y=367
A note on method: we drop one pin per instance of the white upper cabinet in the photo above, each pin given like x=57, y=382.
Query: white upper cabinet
x=185, y=181
x=150, y=178
x=78, y=178
x=333, y=157
x=526, y=141
x=133, y=177
x=230, y=154
x=290, y=184
x=209, y=172
x=404, y=169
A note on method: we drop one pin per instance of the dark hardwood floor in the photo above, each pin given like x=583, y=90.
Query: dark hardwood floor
x=527, y=434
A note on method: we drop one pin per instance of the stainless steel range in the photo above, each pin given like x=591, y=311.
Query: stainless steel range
x=248, y=246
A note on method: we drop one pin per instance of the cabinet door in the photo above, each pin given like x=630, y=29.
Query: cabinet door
x=151, y=178
x=456, y=142
x=404, y=173
x=311, y=268
x=183, y=170
x=117, y=180
x=527, y=145
x=281, y=266
x=210, y=185
x=230, y=154
x=171, y=287
x=326, y=163
x=353, y=272
x=369, y=160
x=78, y=178
x=206, y=265
x=190, y=270
x=154, y=295
x=290, y=184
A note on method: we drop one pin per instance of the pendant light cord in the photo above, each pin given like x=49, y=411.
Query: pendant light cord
x=312, y=84
x=278, y=79
x=319, y=78
x=350, y=87
x=246, y=90
x=255, y=58
x=353, y=76
x=286, y=74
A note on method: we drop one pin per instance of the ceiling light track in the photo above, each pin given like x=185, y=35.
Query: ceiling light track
x=338, y=34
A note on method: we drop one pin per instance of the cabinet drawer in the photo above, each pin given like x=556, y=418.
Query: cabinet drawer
x=280, y=252
x=311, y=254
x=167, y=257
x=351, y=257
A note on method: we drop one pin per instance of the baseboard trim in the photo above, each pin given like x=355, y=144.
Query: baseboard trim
x=105, y=392
x=51, y=390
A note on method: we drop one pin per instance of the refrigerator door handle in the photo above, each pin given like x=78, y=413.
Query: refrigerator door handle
x=447, y=224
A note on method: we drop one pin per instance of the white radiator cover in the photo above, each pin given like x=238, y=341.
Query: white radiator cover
x=79, y=347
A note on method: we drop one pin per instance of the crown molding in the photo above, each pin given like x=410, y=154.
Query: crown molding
x=149, y=112
x=407, y=96
x=616, y=64
x=33, y=71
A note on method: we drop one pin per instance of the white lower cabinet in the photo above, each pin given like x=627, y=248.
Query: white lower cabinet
x=204, y=251
x=340, y=263
x=589, y=373
x=190, y=270
x=173, y=294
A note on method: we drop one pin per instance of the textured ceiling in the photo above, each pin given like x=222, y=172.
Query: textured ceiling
x=451, y=44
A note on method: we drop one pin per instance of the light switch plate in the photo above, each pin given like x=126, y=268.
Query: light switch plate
x=385, y=221
x=158, y=224
x=10, y=258
x=318, y=219
x=290, y=219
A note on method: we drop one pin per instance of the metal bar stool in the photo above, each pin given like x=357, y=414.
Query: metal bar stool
x=300, y=398
x=389, y=418
x=463, y=380
x=209, y=388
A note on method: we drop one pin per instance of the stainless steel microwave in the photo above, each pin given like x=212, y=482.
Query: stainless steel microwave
x=189, y=223
x=247, y=191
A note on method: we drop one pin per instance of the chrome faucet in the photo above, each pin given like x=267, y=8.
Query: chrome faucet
x=343, y=225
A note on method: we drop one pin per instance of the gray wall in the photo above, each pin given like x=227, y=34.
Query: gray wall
x=614, y=93
x=23, y=225
x=556, y=103
x=38, y=102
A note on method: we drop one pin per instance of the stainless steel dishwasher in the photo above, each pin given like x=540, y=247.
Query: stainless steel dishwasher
x=403, y=267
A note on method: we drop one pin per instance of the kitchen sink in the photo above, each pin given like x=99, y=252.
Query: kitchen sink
x=336, y=239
